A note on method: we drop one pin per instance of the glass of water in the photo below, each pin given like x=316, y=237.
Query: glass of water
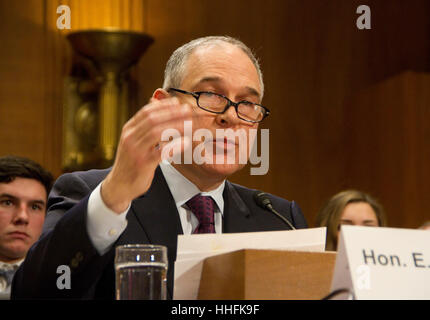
x=140, y=272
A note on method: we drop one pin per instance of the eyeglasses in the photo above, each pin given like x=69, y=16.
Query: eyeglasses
x=217, y=103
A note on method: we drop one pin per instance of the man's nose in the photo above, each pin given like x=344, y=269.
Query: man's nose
x=229, y=118
x=21, y=214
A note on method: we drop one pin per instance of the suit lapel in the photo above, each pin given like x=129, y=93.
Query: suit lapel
x=157, y=214
x=237, y=216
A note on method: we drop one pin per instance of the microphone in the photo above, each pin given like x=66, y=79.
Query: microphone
x=263, y=201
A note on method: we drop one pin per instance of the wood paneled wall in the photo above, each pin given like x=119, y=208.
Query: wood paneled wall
x=387, y=148
x=29, y=122
x=316, y=65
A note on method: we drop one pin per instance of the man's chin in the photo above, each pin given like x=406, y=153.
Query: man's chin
x=15, y=252
x=221, y=170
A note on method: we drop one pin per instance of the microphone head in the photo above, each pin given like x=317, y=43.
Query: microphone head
x=262, y=199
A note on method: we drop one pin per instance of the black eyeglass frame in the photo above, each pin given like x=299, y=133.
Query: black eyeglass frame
x=230, y=103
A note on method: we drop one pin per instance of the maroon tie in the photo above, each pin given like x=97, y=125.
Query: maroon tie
x=203, y=208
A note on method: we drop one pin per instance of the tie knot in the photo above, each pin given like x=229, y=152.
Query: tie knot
x=203, y=208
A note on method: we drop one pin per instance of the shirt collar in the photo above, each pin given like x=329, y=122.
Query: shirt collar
x=7, y=266
x=183, y=189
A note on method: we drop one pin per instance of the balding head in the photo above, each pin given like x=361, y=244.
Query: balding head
x=176, y=65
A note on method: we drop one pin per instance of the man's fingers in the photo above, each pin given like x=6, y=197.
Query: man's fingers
x=172, y=150
x=155, y=106
x=165, y=115
x=153, y=126
x=147, y=140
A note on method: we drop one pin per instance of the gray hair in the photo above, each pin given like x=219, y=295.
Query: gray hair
x=175, y=67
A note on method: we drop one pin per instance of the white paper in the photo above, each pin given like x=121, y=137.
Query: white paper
x=193, y=249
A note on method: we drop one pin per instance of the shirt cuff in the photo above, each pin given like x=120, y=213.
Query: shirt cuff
x=104, y=226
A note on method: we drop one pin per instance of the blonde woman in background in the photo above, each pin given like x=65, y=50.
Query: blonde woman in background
x=350, y=207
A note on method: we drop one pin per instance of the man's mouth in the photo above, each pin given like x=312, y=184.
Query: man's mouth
x=19, y=235
x=224, y=143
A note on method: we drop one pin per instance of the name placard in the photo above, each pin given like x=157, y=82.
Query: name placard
x=383, y=263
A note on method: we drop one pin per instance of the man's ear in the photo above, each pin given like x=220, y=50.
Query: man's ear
x=160, y=94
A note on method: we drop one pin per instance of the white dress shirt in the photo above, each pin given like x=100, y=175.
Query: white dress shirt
x=183, y=190
x=105, y=226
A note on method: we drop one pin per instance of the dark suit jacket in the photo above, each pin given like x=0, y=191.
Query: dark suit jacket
x=152, y=218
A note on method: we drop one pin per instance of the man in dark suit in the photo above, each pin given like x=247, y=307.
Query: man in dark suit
x=214, y=82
